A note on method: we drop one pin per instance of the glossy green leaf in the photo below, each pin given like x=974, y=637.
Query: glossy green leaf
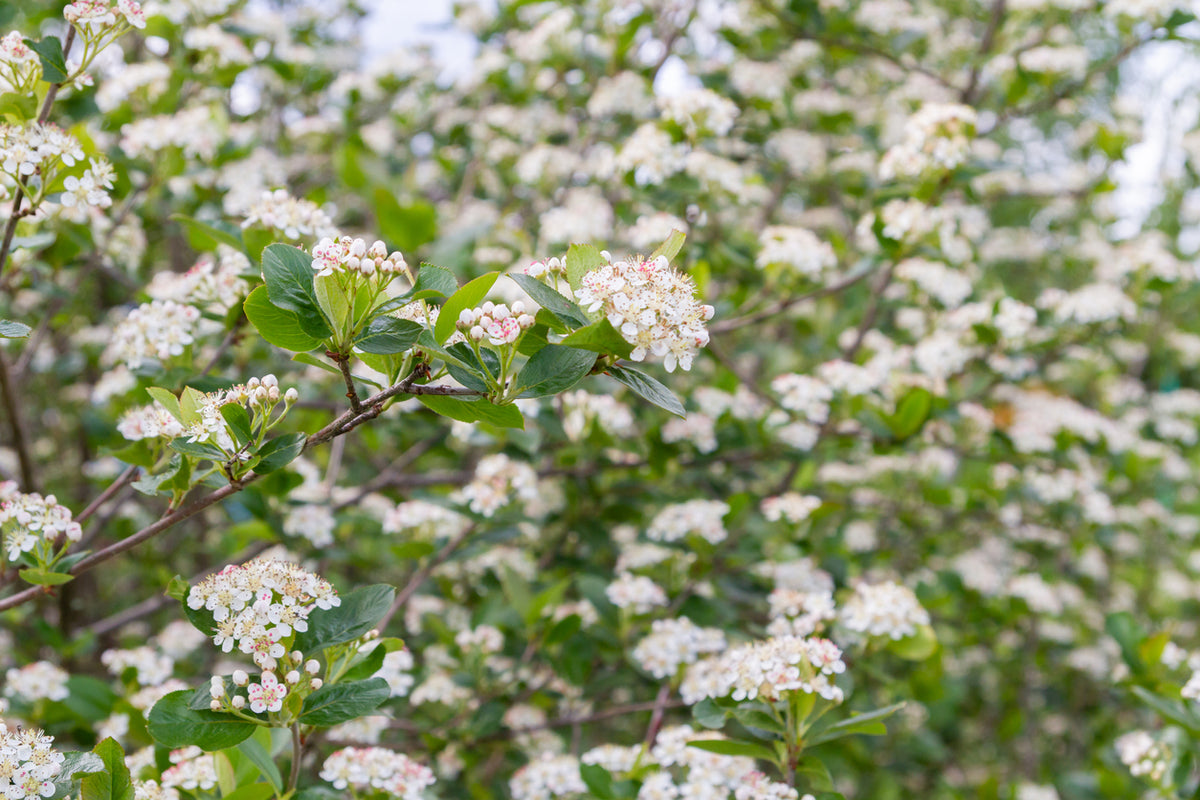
x=600, y=337
x=508, y=416
x=114, y=782
x=554, y=369
x=277, y=453
x=278, y=326
x=340, y=702
x=358, y=613
x=469, y=296
x=50, y=53
x=387, y=335
x=648, y=389
x=582, y=259
x=172, y=724
x=566, y=311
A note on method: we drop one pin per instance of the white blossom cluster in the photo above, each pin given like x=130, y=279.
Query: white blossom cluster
x=366, y=768
x=637, y=593
x=91, y=189
x=29, y=521
x=99, y=15
x=152, y=667
x=160, y=330
x=151, y=421
x=28, y=764
x=40, y=680
x=259, y=395
x=937, y=137
x=422, y=520
x=19, y=66
x=483, y=639
x=346, y=254
x=312, y=521
x=772, y=667
x=805, y=395
x=498, y=480
x=652, y=305
x=259, y=604
x=800, y=613
x=36, y=149
x=699, y=110
x=295, y=218
x=757, y=786
x=152, y=790
x=215, y=284
x=1143, y=755
x=883, y=609
x=672, y=643
x=547, y=777
x=397, y=671
x=191, y=769
x=581, y=410
x=194, y=130
x=702, y=518
x=791, y=506
x=797, y=249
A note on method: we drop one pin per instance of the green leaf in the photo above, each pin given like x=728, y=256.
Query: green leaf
x=50, y=51
x=77, y=764
x=190, y=403
x=332, y=301
x=172, y=724
x=277, y=453
x=598, y=780
x=731, y=747
x=149, y=484
x=671, y=247
x=238, y=420
x=814, y=774
x=373, y=661
x=252, y=791
x=709, y=715
x=757, y=718
x=868, y=724
x=386, y=335
x=168, y=400
x=114, y=783
x=45, y=577
x=21, y=106
x=554, y=369
x=918, y=647
x=911, y=413
x=259, y=757
x=1172, y=710
x=288, y=274
x=582, y=259
x=197, y=450
x=433, y=281
x=648, y=389
x=406, y=227
x=567, y=312
x=481, y=410
x=278, y=326
x=358, y=613
x=600, y=337
x=562, y=630
x=205, y=236
x=340, y=702
x=10, y=329
x=468, y=296
x=1129, y=635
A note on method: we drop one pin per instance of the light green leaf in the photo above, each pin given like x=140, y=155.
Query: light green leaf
x=671, y=247
x=600, y=337
x=508, y=416
x=278, y=326
x=582, y=259
x=469, y=296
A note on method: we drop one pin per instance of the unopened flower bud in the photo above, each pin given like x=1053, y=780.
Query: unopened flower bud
x=518, y=308
x=296, y=656
x=215, y=705
x=293, y=677
x=240, y=677
x=312, y=667
x=525, y=321
x=239, y=702
x=291, y=396
x=269, y=381
x=487, y=307
x=476, y=333
x=317, y=683
x=466, y=318
x=500, y=312
x=217, y=687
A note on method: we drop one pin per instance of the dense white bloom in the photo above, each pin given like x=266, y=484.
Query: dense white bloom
x=484, y=639
x=311, y=521
x=699, y=110
x=582, y=409
x=424, y=521
x=1145, y=756
x=938, y=136
x=193, y=769
x=152, y=667
x=798, y=249
x=792, y=506
x=259, y=603
x=149, y=422
x=158, y=330
x=363, y=769
x=769, y=668
x=637, y=593
x=672, y=643
x=215, y=284
x=804, y=394
x=498, y=480
x=800, y=613
x=296, y=218
x=547, y=777
x=883, y=609
x=757, y=786
x=699, y=517
x=40, y=680
x=30, y=521
x=28, y=765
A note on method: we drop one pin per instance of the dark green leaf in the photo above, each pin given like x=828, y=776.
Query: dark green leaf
x=648, y=389
x=481, y=410
x=709, y=715
x=197, y=450
x=50, y=51
x=554, y=369
x=598, y=780
x=600, y=337
x=173, y=725
x=386, y=335
x=278, y=326
x=238, y=419
x=358, y=613
x=582, y=259
x=288, y=273
x=341, y=702
x=567, y=312
x=868, y=724
x=277, y=453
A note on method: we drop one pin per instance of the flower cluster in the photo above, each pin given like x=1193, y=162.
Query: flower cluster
x=501, y=324
x=258, y=605
x=260, y=396
x=673, y=643
x=797, y=249
x=98, y=15
x=152, y=421
x=30, y=523
x=883, y=609
x=366, y=768
x=800, y=613
x=757, y=786
x=1144, y=755
x=159, y=330
x=28, y=765
x=191, y=769
x=498, y=480
x=637, y=593
x=768, y=669
x=547, y=777
x=348, y=255
x=702, y=518
x=937, y=137
x=40, y=680
x=19, y=66
x=423, y=521
x=312, y=521
x=652, y=305
x=215, y=284
x=295, y=218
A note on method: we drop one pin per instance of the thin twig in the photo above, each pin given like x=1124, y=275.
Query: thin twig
x=16, y=426
x=114, y=487
x=417, y=579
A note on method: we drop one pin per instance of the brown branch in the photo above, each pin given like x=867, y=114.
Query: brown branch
x=417, y=579
x=16, y=426
x=114, y=487
x=985, y=48
x=779, y=307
